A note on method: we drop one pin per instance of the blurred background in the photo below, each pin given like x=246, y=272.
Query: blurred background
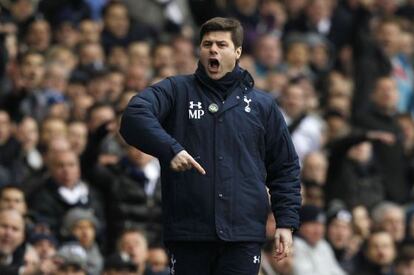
x=75, y=198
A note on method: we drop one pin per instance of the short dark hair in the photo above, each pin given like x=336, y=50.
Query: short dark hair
x=131, y=229
x=110, y=4
x=224, y=24
x=96, y=106
x=390, y=20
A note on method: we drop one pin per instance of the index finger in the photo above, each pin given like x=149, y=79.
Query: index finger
x=277, y=241
x=282, y=247
x=197, y=166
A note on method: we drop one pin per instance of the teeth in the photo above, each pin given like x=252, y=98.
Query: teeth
x=213, y=62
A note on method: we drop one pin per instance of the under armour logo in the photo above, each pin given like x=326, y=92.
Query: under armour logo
x=173, y=261
x=195, y=113
x=247, y=108
x=256, y=259
x=192, y=105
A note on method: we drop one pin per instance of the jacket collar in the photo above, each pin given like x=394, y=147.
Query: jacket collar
x=235, y=97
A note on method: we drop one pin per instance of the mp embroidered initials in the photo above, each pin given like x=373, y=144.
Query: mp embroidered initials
x=195, y=110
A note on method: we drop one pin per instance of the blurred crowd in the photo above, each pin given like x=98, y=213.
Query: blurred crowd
x=75, y=199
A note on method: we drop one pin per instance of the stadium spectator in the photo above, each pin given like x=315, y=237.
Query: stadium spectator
x=84, y=226
x=339, y=235
x=158, y=259
x=133, y=244
x=10, y=150
x=382, y=117
x=312, y=253
x=305, y=128
x=133, y=192
x=63, y=190
x=315, y=168
x=390, y=217
x=12, y=245
x=378, y=255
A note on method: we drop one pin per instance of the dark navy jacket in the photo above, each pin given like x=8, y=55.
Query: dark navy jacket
x=243, y=147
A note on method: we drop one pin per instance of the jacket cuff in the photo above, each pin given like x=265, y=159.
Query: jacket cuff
x=292, y=229
x=284, y=222
x=175, y=149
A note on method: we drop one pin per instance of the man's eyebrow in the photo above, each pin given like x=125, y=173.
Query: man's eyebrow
x=212, y=41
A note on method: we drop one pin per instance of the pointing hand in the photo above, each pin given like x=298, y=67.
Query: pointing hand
x=184, y=161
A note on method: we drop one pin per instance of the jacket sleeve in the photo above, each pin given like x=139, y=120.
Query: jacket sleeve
x=283, y=171
x=142, y=119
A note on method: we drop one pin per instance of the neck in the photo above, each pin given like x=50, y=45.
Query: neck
x=385, y=269
x=4, y=259
x=69, y=185
x=389, y=111
x=141, y=269
x=294, y=115
x=408, y=146
x=4, y=139
x=224, y=85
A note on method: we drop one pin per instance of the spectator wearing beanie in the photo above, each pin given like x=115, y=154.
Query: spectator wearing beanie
x=71, y=258
x=339, y=235
x=82, y=224
x=45, y=245
x=312, y=253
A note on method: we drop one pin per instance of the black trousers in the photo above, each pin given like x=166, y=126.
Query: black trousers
x=214, y=258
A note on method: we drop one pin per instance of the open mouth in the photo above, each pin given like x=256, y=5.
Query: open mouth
x=213, y=64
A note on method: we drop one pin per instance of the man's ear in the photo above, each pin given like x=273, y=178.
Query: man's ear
x=238, y=52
